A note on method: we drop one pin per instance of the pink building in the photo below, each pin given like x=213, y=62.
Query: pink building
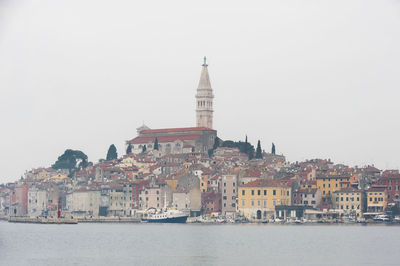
x=19, y=200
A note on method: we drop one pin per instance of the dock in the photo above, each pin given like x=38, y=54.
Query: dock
x=42, y=220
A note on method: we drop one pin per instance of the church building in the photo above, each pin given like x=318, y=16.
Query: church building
x=183, y=140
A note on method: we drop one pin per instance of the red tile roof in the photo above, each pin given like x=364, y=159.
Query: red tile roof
x=172, y=130
x=266, y=183
x=163, y=139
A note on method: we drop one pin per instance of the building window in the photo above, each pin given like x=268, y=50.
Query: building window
x=252, y=202
x=252, y=192
x=258, y=192
x=274, y=192
x=243, y=192
x=243, y=202
x=265, y=192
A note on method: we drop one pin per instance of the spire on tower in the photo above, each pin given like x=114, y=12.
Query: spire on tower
x=204, y=77
x=204, y=99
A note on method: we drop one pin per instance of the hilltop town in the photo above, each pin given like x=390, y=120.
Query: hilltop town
x=191, y=169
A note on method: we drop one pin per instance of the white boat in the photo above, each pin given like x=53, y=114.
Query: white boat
x=166, y=216
x=381, y=218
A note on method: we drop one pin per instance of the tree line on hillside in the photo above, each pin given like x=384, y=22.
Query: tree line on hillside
x=75, y=160
x=244, y=147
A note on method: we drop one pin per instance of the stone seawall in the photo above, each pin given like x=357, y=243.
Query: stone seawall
x=42, y=220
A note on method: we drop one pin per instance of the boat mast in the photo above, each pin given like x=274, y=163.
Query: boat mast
x=165, y=200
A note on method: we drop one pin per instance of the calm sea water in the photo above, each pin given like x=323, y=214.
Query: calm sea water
x=186, y=244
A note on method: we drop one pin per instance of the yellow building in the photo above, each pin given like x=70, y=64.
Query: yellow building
x=329, y=184
x=257, y=199
x=348, y=200
x=59, y=176
x=172, y=182
x=309, y=185
x=376, y=199
x=205, y=182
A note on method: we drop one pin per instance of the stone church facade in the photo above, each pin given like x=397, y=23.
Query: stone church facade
x=183, y=140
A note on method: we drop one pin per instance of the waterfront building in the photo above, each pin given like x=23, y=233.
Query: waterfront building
x=376, y=199
x=329, y=184
x=4, y=203
x=188, y=200
x=121, y=200
x=83, y=203
x=19, y=200
x=211, y=202
x=348, y=200
x=307, y=197
x=155, y=196
x=229, y=195
x=37, y=201
x=181, y=199
x=257, y=199
x=391, y=180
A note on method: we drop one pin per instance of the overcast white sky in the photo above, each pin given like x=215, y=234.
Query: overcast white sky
x=319, y=78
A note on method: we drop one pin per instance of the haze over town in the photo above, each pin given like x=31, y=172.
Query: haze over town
x=317, y=79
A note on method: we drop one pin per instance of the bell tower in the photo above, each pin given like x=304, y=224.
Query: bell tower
x=204, y=100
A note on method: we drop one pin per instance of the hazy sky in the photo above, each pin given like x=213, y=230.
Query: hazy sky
x=318, y=78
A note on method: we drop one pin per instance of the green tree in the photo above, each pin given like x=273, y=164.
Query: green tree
x=112, y=153
x=273, y=148
x=129, y=149
x=144, y=149
x=217, y=142
x=244, y=147
x=156, y=144
x=258, y=150
x=250, y=153
x=72, y=160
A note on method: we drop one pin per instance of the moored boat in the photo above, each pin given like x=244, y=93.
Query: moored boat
x=382, y=218
x=166, y=216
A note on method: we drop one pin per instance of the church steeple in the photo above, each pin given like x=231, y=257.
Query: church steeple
x=204, y=99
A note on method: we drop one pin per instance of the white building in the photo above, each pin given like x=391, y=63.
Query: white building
x=37, y=201
x=83, y=203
